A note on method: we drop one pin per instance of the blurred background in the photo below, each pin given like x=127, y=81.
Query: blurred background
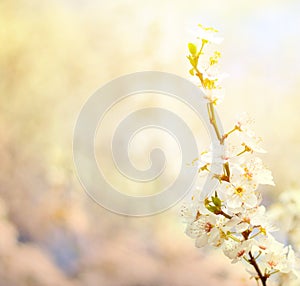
x=53, y=56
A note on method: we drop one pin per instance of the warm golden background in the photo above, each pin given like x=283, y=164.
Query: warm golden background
x=53, y=55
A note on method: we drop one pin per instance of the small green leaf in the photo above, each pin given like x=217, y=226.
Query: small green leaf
x=212, y=209
x=217, y=202
x=192, y=48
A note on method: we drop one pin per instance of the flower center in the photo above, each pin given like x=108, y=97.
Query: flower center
x=248, y=175
x=239, y=191
x=241, y=253
x=208, y=227
x=272, y=263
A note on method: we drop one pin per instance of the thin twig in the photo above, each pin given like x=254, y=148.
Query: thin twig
x=262, y=277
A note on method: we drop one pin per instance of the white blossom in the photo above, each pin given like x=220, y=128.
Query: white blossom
x=254, y=171
x=210, y=229
x=236, y=250
x=247, y=136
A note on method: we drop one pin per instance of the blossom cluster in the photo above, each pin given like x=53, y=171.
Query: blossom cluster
x=232, y=216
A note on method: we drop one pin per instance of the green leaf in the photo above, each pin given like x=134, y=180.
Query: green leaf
x=217, y=202
x=212, y=209
x=192, y=48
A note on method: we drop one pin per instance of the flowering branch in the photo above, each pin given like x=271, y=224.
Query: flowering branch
x=233, y=219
